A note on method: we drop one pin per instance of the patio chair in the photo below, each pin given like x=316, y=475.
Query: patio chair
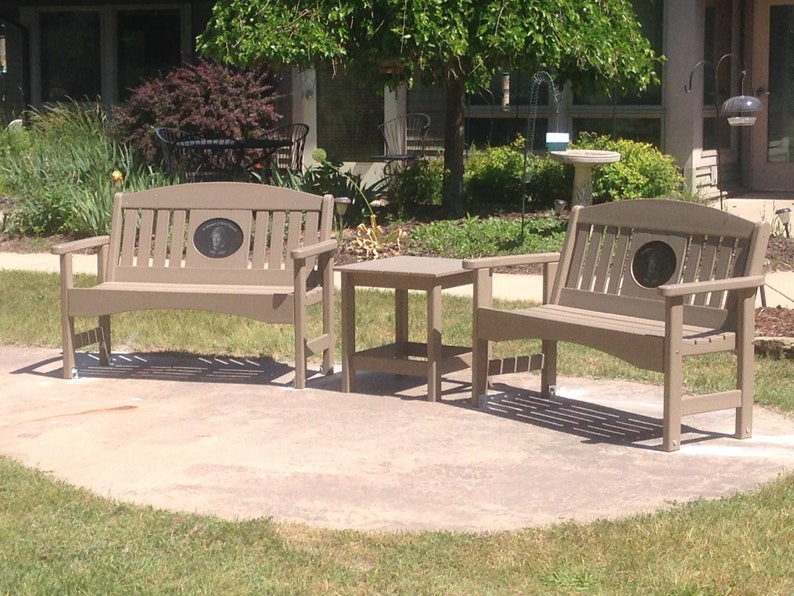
x=404, y=137
x=291, y=157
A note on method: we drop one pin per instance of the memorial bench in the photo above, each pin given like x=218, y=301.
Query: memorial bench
x=647, y=281
x=235, y=248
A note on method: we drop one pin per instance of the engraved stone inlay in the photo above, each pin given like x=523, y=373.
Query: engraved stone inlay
x=218, y=238
x=654, y=264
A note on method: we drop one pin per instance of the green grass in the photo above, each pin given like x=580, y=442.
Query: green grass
x=56, y=539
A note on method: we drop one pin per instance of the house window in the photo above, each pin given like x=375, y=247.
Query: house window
x=148, y=43
x=348, y=115
x=70, y=56
x=102, y=50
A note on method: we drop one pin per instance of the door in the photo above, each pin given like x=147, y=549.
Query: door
x=772, y=137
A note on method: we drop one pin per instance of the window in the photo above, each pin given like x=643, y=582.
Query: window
x=348, y=116
x=70, y=56
x=148, y=43
x=102, y=50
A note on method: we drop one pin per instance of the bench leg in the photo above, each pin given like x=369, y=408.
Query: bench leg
x=104, y=340
x=479, y=369
x=745, y=375
x=548, y=373
x=67, y=341
x=671, y=423
x=299, y=317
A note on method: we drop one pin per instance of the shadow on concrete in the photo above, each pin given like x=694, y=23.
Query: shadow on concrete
x=594, y=422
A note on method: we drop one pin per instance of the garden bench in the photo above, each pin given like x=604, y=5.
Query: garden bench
x=235, y=248
x=647, y=281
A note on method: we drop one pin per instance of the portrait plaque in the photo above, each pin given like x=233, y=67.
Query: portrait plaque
x=218, y=238
x=654, y=264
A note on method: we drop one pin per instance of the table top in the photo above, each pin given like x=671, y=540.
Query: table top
x=428, y=267
x=264, y=143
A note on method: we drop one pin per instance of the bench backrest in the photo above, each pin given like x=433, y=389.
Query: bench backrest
x=214, y=232
x=617, y=254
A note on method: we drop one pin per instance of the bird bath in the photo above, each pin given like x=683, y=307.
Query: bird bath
x=584, y=160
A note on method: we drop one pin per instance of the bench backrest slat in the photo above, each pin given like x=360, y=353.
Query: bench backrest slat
x=616, y=255
x=233, y=233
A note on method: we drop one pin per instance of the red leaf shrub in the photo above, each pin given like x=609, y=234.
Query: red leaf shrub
x=206, y=99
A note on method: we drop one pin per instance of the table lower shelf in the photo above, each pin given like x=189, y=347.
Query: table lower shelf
x=410, y=358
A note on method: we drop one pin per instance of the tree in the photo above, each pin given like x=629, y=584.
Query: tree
x=458, y=44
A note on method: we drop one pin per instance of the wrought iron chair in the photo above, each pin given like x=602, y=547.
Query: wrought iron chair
x=404, y=137
x=289, y=157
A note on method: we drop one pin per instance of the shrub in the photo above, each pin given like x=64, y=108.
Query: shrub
x=493, y=175
x=206, y=99
x=59, y=170
x=642, y=172
x=417, y=184
x=548, y=181
x=482, y=236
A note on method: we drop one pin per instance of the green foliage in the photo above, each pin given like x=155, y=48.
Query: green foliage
x=417, y=184
x=206, y=99
x=494, y=175
x=59, y=171
x=582, y=40
x=642, y=172
x=549, y=181
x=325, y=176
x=477, y=237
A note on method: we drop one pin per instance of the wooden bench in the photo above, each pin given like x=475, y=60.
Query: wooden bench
x=647, y=281
x=252, y=250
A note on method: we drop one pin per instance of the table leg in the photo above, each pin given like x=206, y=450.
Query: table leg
x=401, y=316
x=348, y=334
x=433, y=343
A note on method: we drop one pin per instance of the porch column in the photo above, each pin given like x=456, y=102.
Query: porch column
x=683, y=46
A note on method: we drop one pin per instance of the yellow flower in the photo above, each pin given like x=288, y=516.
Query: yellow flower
x=117, y=176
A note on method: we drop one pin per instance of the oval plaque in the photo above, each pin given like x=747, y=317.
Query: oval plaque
x=654, y=264
x=218, y=238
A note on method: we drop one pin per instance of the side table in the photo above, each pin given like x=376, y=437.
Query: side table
x=432, y=359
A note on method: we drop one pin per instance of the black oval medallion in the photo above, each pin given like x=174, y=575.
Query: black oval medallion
x=218, y=238
x=654, y=264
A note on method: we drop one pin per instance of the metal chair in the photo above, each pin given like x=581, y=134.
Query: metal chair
x=289, y=157
x=404, y=137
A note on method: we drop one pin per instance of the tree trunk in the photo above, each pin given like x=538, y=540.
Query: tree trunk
x=452, y=198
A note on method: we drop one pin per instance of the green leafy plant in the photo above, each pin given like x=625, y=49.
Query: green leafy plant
x=493, y=175
x=416, y=184
x=642, y=172
x=59, y=171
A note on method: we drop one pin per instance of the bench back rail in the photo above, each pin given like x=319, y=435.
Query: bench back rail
x=618, y=255
x=214, y=233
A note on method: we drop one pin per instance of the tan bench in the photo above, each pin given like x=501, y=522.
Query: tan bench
x=647, y=281
x=252, y=250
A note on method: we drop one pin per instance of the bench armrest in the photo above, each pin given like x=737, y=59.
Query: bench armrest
x=312, y=250
x=718, y=285
x=67, y=249
x=511, y=260
x=75, y=245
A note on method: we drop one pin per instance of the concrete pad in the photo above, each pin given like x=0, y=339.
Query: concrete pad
x=231, y=438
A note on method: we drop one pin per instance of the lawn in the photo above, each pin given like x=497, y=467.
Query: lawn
x=60, y=540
